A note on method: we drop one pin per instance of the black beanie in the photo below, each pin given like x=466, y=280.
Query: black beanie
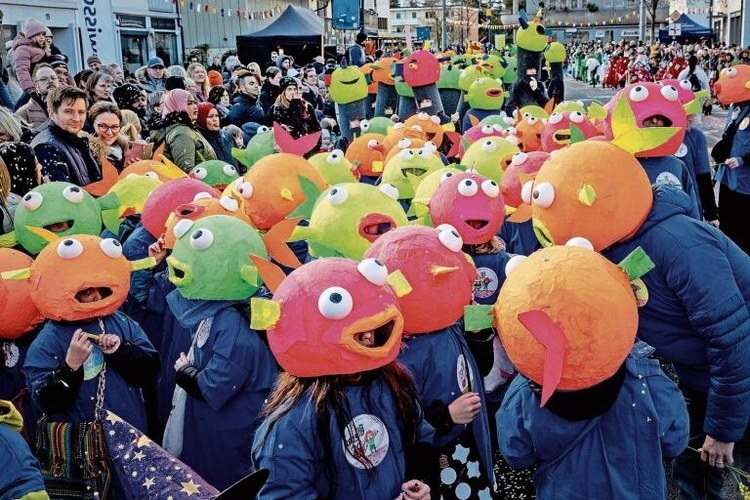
x=126, y=94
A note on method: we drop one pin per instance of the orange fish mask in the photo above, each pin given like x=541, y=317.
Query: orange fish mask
x=68, y=268
x=367, y=154
x=440, y=274
x=733, y=84
x=567, y=317
x=522, y=166
x=332, y=316
x=18, y=313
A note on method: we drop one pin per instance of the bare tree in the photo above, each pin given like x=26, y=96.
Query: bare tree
x=651, y=7
x=435, y=12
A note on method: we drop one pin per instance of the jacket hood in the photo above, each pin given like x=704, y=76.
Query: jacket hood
x=668, y=202
x=190, y=312
x=21, y=40
x=10, y=416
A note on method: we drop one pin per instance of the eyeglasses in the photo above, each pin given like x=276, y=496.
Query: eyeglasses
x=47, y=79
x=102, y=127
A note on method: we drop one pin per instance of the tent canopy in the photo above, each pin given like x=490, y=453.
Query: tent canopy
x=690, y=30
x=294, y=26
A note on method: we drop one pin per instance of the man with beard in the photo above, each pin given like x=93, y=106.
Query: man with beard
x=34, y=112
x=130, y=96
x=245, y=107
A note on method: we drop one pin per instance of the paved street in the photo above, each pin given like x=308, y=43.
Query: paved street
x=712, y=125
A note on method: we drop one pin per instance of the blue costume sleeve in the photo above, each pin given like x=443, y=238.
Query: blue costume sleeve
x=228, y=369
x=516, y=443
x=19, y=470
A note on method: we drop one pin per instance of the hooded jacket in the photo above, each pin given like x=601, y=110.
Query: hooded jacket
x=697, y=310
x=25, y=54
x=20, y=477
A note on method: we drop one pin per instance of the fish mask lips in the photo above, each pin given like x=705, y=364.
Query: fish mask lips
x=386, y=326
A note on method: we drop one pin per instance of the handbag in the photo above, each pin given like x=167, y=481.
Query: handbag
x=73, y=455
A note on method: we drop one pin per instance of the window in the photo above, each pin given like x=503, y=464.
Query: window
x=413, y=15
x=383, y=23
x=398, y=15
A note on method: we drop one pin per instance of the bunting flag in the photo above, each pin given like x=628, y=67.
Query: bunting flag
x=208, y=8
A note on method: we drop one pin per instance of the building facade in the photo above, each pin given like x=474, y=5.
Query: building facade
x=425, y=23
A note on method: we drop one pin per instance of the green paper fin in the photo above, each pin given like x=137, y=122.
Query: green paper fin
x=311, y=192
x=8, y=240
x=300, y=233
x=399, y=283
x=264, y=313
x=575, y=134
x=320, y=250
x=250, y=275
x=636, y=263
x=141, y=264
x=18, y=274
x=630, y=137
x=596, y=111
x=477, y=317
x=108, y=201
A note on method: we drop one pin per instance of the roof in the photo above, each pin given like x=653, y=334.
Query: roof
x=295, y=24
x=690, y=29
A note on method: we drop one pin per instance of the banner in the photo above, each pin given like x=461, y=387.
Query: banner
x=97, y=25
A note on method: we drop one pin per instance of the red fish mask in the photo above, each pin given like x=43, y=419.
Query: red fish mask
x=522, y=167
x=556, y=134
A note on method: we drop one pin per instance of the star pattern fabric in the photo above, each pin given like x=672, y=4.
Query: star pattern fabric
x=146, y=470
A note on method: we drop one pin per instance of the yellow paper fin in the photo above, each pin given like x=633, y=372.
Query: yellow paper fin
x=587, y=195
x=18, y=274
x=146, y=263
x=399, y=283
x=8, y=240
x=439, y=270
x=264, y=313
x=596, y=111
x=45, y=234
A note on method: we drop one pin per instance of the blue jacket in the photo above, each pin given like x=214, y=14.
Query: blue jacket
x=695, y=153
x=236, y=374
x=19, y=470
x=120, y=395
x=519, y=238
x=738, y=179
x=443, y=369
x=697, y=311
x=293, y=452
x=617, y=455
x=671, y=171
x=490, y=275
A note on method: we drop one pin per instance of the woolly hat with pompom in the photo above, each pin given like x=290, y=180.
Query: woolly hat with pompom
x=32, y=27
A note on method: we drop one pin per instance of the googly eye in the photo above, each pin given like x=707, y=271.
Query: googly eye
x=406, y=154
x=245, y=190
x=479, y=81
x=527, y=115
x=450, y=238
x=133, y=176
x=374, y=271
x=519, y=159
x=497, y=127
x=490, y=188
x=685, y=85
x=69, y=249
x=202, y=195
x=229, y=204
x=555, y=118
x=229, y=170
x=639, y=93
x=576, y=117
x=335, y=303
x=468, y=187
x=337, y=196
x=731, y=72
x=489, y=146
x=182, y=227
x=430, y=146
x=201, y=239
x=398, y=126
x=32, y=201
x=526, y=190
x=372, y=144
x=73, y=194
x=390, y=190
x=445, y=177
x=543, y=195
x=579, y=241
x=463, y=74
x=423, y=116
x=669, y=93
x=151, y=175
x=200, y=173
x=263, y=129
x=403, y=143
x=513, y=140
x=335, y=157
x=435, y=119
x=531, y=120
x=487, y=129
x=111, y=248
x=424, y=152
x=364, y=125
x=513, y=262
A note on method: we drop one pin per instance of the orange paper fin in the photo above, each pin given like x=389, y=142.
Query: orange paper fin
x=270, y=273
x=522, y=214
x=275, y=240
x=109, y=178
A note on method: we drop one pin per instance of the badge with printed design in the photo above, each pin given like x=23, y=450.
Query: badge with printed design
x=367, y=437
x=735, y=113
x=744, y=123
x=668, y=178
x=463, y=374
x=640, y=291
x=11, y=354
x=204, y=329
x=485, y=283
x=93, y=364
x=681, y=151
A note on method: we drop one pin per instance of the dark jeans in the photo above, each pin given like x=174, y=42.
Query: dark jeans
x=734, y=208
x=695, y=479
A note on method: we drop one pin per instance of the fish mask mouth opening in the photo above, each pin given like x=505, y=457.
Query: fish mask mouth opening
x=349, y=82
x=375, y=338
x=493, y=93
x=430, y=135
x=562, y=136
x=542, y=234
x=372, y=226
x=60, y=226
x=656, y=120
x=179, y=273
x=476, y=223
x=416, y=171
x=91, y=294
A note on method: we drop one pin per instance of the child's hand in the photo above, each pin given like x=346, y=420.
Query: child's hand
x=181, y=361
x=79, y=350
x=415, y=490
x=465, y=408
x=109, y=343
x=157, y=250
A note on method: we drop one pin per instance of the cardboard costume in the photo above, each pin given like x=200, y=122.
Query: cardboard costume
x=490, y=156
x=531, y=40
x=334, y=167
x=555, y=56
x=348, y=89
x=18, y=313
x=367, y=153
x=386, y=101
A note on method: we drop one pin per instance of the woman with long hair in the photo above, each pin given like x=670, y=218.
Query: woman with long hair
x=106, y=141
x=183, y=144
x=220, y=98
x=209, y=125
x=292, y=112
x=197, y=73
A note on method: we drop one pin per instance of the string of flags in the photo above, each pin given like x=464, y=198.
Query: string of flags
x=208, y=8
x=626, y=19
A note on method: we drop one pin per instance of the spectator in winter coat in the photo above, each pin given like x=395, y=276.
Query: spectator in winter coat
x=29, y=48
x=34, y=112
x=245, y=107
x=209, y=125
